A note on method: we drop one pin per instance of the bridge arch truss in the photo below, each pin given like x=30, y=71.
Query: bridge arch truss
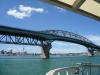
x=44, y=39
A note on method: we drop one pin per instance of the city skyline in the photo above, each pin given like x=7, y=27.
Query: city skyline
x=36, y=15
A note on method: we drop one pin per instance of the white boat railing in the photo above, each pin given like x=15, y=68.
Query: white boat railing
x=80, y=69
x=64, y=70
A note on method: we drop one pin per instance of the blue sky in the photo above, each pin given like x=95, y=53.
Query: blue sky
x=36, y=15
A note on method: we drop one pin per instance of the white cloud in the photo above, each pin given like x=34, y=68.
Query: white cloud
x=28, y=9
x=16, y=14
x=69, y=49
x=60, y=9
x=94, y=38
x=61, y=43
x=65, y=47
x=24, y=11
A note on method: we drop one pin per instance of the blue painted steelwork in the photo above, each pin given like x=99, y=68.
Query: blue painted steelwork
x=10, y=35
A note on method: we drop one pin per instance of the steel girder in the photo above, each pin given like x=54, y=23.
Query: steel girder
x=11, y=35
x=9, y=39
x=67, y=35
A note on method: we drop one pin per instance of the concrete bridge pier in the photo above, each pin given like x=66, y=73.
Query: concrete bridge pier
x=45, y=51
x=91, y=50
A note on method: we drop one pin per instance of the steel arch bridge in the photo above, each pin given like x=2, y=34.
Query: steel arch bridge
x=10, y=35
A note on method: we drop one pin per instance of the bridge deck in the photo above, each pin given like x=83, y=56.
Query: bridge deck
x=49, y=36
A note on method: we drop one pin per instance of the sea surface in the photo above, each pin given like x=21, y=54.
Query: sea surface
x=31, y=65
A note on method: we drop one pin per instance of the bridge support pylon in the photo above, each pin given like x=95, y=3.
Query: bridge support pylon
x=45, y=51
x=91, y=50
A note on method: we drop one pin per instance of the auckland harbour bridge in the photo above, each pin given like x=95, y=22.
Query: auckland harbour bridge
x=10, y=35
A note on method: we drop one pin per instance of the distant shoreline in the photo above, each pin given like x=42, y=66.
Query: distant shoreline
x=34, y=54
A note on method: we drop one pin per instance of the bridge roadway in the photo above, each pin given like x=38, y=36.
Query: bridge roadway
x=10, y=35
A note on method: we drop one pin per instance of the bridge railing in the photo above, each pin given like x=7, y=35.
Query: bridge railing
x=63, y=71
x=80, y=69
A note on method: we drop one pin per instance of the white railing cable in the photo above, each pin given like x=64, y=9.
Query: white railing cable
x=80, y=69
x=67, y=70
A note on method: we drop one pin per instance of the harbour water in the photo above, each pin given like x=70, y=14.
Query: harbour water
x=29, y=65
